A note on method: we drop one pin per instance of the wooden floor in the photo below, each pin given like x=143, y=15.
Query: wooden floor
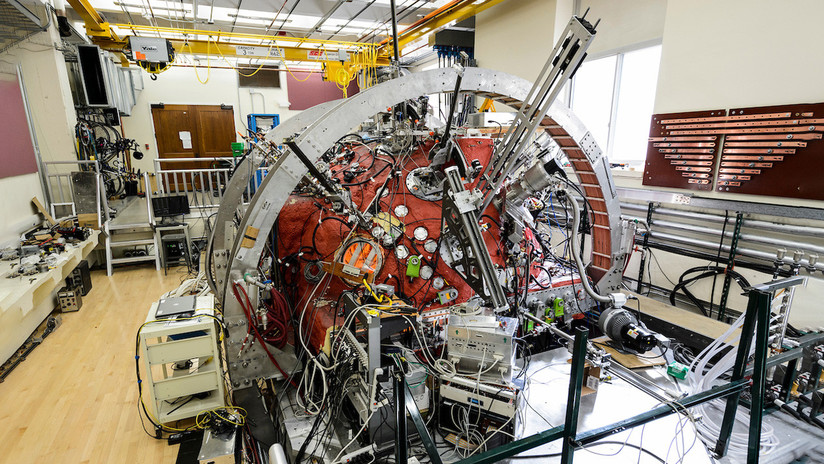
x=74, y=400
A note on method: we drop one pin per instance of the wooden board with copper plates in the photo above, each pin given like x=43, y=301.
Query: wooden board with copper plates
x=772, y=150
x=682, y=160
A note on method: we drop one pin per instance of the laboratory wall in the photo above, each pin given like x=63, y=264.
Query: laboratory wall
x=711, y=61
x=714, y=55
x=52, y=117
x=199, y=86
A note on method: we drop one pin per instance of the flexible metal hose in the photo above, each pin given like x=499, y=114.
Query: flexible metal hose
x=576, y=254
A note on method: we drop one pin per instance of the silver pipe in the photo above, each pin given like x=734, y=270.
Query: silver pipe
x=38, y=158
x=576, y=219
x=744, y=237
x=642, y=383
x=741, y=251
x=551, y=327
x=753, y=223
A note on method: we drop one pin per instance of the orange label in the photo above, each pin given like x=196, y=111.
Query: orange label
x=140, y=55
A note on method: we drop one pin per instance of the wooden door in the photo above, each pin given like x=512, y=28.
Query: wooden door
x=193, y=131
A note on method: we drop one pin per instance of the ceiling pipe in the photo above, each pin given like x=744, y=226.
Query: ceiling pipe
x=327, y=15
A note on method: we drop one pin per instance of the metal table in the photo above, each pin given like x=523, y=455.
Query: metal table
x=543, y=405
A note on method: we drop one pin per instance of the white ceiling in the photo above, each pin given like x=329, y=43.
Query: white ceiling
x=349, y=20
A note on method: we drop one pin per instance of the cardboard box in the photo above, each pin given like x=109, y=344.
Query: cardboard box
x=87, y=220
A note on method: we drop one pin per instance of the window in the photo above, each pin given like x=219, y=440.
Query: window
x=267, y=76
x=614, y=97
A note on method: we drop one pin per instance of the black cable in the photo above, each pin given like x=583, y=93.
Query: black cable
x=352, y=184
x=709, y=271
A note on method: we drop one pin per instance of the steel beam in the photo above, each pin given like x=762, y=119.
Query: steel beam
x=576, y=382
x=96, y=26
x=433, y=22
x=725, y=292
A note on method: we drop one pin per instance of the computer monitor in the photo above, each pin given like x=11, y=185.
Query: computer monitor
x=170, y=205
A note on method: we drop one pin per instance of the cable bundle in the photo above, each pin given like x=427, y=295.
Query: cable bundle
x=710, y=426
x=274, y=332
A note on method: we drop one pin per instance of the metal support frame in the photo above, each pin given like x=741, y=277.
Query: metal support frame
x=396, y=52
x=567, y=55
x=789, y=377
x=645, y=245
x=401, y=437
x=460, y=213
x=725, y=293
x=405, y=403
x=757, y=317
x=576, y=381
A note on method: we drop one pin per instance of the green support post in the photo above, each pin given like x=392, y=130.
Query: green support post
x=645, y=246
x=725, y=293
x=790, y=375
x=757, y=321
x=759, y=377
x=737, y=374
x=576, y=381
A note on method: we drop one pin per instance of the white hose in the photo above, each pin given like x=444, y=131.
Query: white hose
x=709, y=427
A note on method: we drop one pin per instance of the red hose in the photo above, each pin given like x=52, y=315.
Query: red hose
x=247, y=305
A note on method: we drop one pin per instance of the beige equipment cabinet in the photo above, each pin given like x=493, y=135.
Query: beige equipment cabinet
x=181, y=366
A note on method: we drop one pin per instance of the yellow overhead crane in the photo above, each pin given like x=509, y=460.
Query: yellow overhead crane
x=342, y=60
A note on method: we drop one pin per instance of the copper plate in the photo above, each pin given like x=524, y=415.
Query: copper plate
x=692, y=169
x=686, y=150
x=684, y=145
x=766, y=144
x=740, y=171
x=748, y=165
x=690, y=157
x=766, y=130
x=720, y=125
x=695, y=174
x=752, y=158
x=681, y=139
x=775, y=137
x=758, y=151
x=729, y=118
x=691, y=163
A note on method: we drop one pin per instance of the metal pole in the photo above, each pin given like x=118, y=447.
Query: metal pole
x=452, y=106
x=576, y=380
x=731, y=408
x=401, y=456
x=789, y=378
x=759, y=378
x=420, y=426
x=396, y=51
x=725, y=293
x=650, y=209
x=41, y=168
x=322, y=179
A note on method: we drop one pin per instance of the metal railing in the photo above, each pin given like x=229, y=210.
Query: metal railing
x=60, y=187
x=203, y=187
